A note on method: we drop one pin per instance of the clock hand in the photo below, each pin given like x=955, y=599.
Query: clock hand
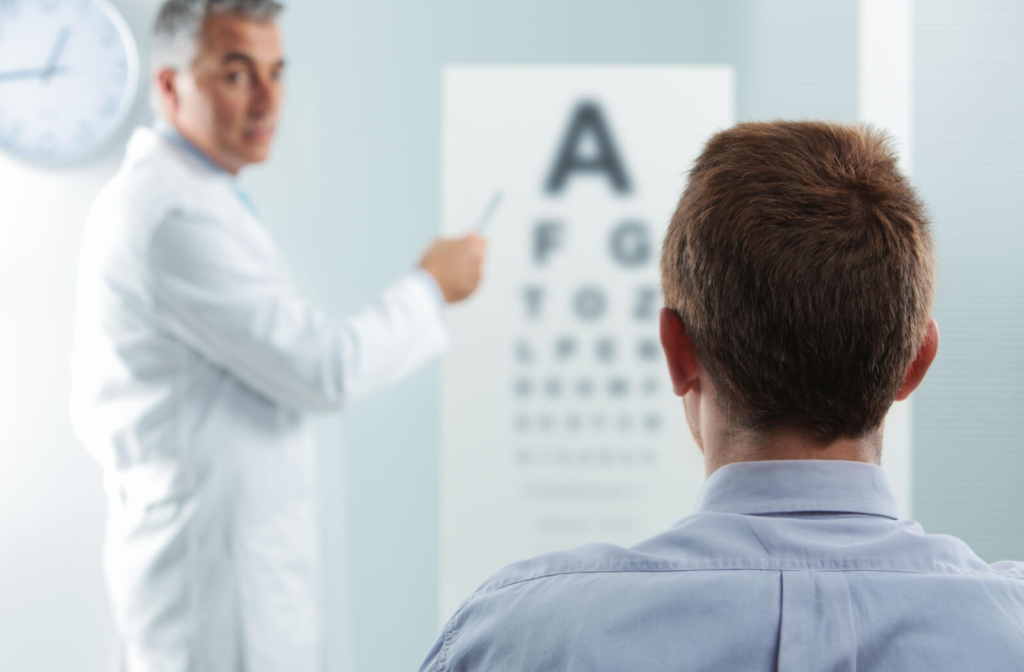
x=34, y=73
x=55, y=52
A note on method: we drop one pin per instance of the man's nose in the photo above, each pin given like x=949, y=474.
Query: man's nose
x=263, y=98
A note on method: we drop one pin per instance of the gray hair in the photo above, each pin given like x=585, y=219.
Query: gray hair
x=175, y=40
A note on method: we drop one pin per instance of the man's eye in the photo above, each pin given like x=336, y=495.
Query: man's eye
x=277, y=76
x=237, y=77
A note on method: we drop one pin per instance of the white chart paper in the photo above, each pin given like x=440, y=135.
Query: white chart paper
x=558, y=423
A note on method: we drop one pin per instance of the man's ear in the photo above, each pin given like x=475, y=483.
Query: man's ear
x=680, y=353
x=166, y=87
x=925, y=356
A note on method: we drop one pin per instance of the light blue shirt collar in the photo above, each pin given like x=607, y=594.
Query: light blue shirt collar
x=172, y=135
x=799, y=486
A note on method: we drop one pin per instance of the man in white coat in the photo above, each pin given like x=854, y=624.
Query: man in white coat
x=196, y=364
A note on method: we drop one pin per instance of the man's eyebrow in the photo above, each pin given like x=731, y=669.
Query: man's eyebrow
x=248, y=60
x=239, y=56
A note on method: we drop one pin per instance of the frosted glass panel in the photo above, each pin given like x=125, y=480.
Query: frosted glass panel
x=968, y=138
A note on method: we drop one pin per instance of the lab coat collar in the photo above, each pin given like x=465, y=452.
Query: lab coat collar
x=175, y=137
x=171, y=135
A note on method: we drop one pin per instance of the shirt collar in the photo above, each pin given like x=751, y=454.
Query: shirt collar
x=791, y=486
x=172, y=135
x=175, y=137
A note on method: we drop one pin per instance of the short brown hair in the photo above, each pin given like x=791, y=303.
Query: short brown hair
x=800, y=261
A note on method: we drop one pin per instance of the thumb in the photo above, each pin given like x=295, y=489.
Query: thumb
x=475, y=241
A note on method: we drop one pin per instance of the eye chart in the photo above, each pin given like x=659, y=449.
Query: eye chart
x=559, y=426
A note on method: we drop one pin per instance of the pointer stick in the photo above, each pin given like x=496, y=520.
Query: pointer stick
x=481, y=227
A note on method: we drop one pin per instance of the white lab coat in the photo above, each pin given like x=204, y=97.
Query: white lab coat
x=195, y=365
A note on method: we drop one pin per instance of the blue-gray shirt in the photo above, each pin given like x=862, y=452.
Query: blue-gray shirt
x=788, y=566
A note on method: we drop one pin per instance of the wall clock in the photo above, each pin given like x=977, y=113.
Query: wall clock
x=69, y=72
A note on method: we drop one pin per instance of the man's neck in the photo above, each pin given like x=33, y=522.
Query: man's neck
x=197, y=147
x=788, y=444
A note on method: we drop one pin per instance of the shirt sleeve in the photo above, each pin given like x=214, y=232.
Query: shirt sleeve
x=439, y=658
x=217, y=293
x=434, y=662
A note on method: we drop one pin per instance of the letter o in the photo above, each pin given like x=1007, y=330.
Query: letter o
x=589, y=303
x=631, y=244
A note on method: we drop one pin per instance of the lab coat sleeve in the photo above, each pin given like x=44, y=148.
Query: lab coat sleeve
x=213, y=290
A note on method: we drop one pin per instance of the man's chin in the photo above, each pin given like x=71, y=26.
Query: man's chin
x=256, y=153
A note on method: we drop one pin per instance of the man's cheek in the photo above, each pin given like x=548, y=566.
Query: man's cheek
x=229, y=118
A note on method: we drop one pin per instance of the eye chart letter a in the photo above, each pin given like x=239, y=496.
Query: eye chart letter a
x=559, y=426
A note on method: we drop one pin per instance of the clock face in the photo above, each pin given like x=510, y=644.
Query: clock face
x=68, y=76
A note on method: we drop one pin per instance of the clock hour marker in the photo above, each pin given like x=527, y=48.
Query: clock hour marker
x=109, y=107
x=47, y=144
x=10, y=7
x=12, y=134
x=84, y=133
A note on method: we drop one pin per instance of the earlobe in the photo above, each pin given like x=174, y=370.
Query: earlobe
x=680, y=353
x=922, y=362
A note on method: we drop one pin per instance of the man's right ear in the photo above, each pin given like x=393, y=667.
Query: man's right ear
x=680, y=353
x=165, y=85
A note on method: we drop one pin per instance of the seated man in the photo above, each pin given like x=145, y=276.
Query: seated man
x=798, y=275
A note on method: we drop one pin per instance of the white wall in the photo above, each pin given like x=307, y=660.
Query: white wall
x=51, y=507
x=53, y=607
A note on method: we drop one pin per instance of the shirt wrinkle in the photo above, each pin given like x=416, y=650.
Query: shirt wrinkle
x=852, y=584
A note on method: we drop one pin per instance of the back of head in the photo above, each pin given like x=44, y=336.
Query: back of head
x=179, y=24
x=800, y=261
